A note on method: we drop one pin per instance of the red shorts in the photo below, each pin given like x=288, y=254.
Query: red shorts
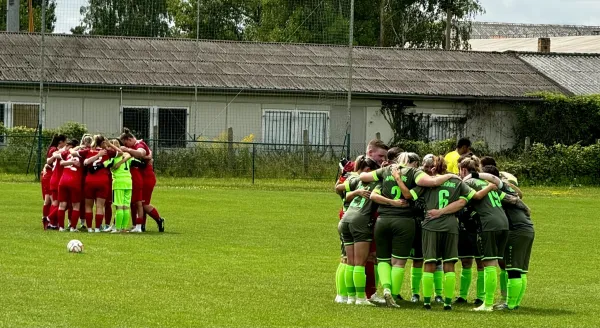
x=46, y=185
x=69, y=194
x=95, y=190
x=137, y=185
x=149, y=183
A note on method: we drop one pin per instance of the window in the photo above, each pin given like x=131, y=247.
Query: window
x=137, y=119
x=26, y=115
x=172, y=127
x=287, y=127
x=446, y=127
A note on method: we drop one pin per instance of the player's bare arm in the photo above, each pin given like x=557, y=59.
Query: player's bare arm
x=398, y=177
x=485, y=191
x=450, y=209
x=358, y=192
x=430, y=182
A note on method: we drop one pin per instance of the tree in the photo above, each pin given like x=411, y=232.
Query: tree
x=219, y=19
x=147, y=18
x=37, y=15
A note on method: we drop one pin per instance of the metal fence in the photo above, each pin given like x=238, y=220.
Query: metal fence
x=204, y=159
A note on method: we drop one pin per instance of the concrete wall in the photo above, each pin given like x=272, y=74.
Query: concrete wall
x=211, y=115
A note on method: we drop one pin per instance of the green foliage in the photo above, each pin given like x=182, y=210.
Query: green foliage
x=73, y=130
x=37, y=15
x=560, y=119
x=125, y=18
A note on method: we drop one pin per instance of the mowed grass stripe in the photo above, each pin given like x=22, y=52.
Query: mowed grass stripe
x=258, y=256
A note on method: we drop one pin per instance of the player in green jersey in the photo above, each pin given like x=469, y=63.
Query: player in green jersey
x=395, y=228
x=121, y=184
x=515, y=264
x=357, y=233
x=494, y=228
x=440, y=228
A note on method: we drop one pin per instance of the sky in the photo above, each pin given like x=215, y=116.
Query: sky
x=570, y=12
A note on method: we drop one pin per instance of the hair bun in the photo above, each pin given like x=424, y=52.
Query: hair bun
x=126, y=130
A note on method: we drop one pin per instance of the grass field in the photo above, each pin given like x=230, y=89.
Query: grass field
x=264, y=255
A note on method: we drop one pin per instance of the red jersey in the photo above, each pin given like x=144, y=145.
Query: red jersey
x=103, y=174
x=73, y=175
x=147, y=170
x=57, y=171
x=49, y=154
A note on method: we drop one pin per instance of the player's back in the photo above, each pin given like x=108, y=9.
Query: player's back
x=440, y=197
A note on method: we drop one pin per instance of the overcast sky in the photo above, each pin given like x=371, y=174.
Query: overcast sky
x=572, y=12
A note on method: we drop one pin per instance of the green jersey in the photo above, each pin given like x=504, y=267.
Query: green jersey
x=491, y=213
x=390, y=189
x=517, y=218
x=440, y=197
x=350, y=184
x=121, y=176
x=360, y=206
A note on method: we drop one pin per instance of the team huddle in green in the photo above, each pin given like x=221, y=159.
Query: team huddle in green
x=434, y=212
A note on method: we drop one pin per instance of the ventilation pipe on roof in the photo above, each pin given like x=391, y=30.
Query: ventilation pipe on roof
x=544, y=45
x=12, y=15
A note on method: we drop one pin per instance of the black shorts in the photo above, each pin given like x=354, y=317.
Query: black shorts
x=359, y=230
x=440, y=246
x=416, y=254
x=467, y=245
x=394, y=237
x=518, y=250
x=492, y=244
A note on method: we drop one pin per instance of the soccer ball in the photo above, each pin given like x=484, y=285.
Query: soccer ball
x=75, y=246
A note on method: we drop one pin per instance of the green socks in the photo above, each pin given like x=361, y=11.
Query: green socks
x=523, y=288
x=384, y=271
x=360, y=281
x=376, y=275
x=465, y=282
x=397, y=278
x=503, y=284
x=438, y=281
x=480, y=285
x=427, y=287
x=449, y=284
x=491, y=282
x=340, y=280
x=126, y=218
x=415, y=280
x=514, y=291
x=119, y=219
x=349, y=277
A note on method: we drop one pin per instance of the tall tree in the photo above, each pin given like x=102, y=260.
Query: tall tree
x=219, y=19
x=37, y=15
x=148, y=18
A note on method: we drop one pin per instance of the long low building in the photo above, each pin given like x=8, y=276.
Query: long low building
x=179, y=89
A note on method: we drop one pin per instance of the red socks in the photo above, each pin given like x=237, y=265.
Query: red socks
x=61, y=218
x=154, y=215
x=99, y=219
x=370, y=287
x=107, y=213
x=46, y=210
x=89, y=217
x=74, y=219
x=53, y=216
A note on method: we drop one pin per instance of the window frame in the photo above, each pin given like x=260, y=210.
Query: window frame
x=156, y=113
x=8, y=112
x=149, y=108
x=296, y=133
x=456, y=120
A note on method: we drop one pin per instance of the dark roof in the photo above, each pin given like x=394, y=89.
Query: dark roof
x=579, y=74
x=183, y=63
x=495, y=30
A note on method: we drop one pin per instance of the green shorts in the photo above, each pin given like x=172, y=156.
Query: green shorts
x=394, y=237
x=122, y=197
x=440, y=246
x=518, y=250
x=492, y=244
x=467, y=245
x=359, y=230
x=416, y=254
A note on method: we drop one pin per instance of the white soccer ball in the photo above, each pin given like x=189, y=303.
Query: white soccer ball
x=75, y=246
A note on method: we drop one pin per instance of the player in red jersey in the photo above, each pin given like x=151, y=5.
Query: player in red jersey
x=142, y=177
x=69, y=186
x=57, y=171
x=58, y=141
x=96, y=181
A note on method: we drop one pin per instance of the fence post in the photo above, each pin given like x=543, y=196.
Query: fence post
x=230, y=154
x=253, y=161
x=348, y=146
x=378, y=136
x=305, y=152
x=527, y=144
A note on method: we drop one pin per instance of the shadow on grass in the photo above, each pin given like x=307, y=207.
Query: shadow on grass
x=469, y=306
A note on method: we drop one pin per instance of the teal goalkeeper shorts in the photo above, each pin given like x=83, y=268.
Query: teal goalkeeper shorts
x=122, y=197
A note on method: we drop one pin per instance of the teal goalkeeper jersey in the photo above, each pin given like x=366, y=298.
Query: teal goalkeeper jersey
x=121, y=176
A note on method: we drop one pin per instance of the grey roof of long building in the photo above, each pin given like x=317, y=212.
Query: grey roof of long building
x=577, y=73
x=183, y=63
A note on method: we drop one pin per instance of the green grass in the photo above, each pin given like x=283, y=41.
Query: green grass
x=262, y=255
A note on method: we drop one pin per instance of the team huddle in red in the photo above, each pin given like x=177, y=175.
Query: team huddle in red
x=75, y=178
